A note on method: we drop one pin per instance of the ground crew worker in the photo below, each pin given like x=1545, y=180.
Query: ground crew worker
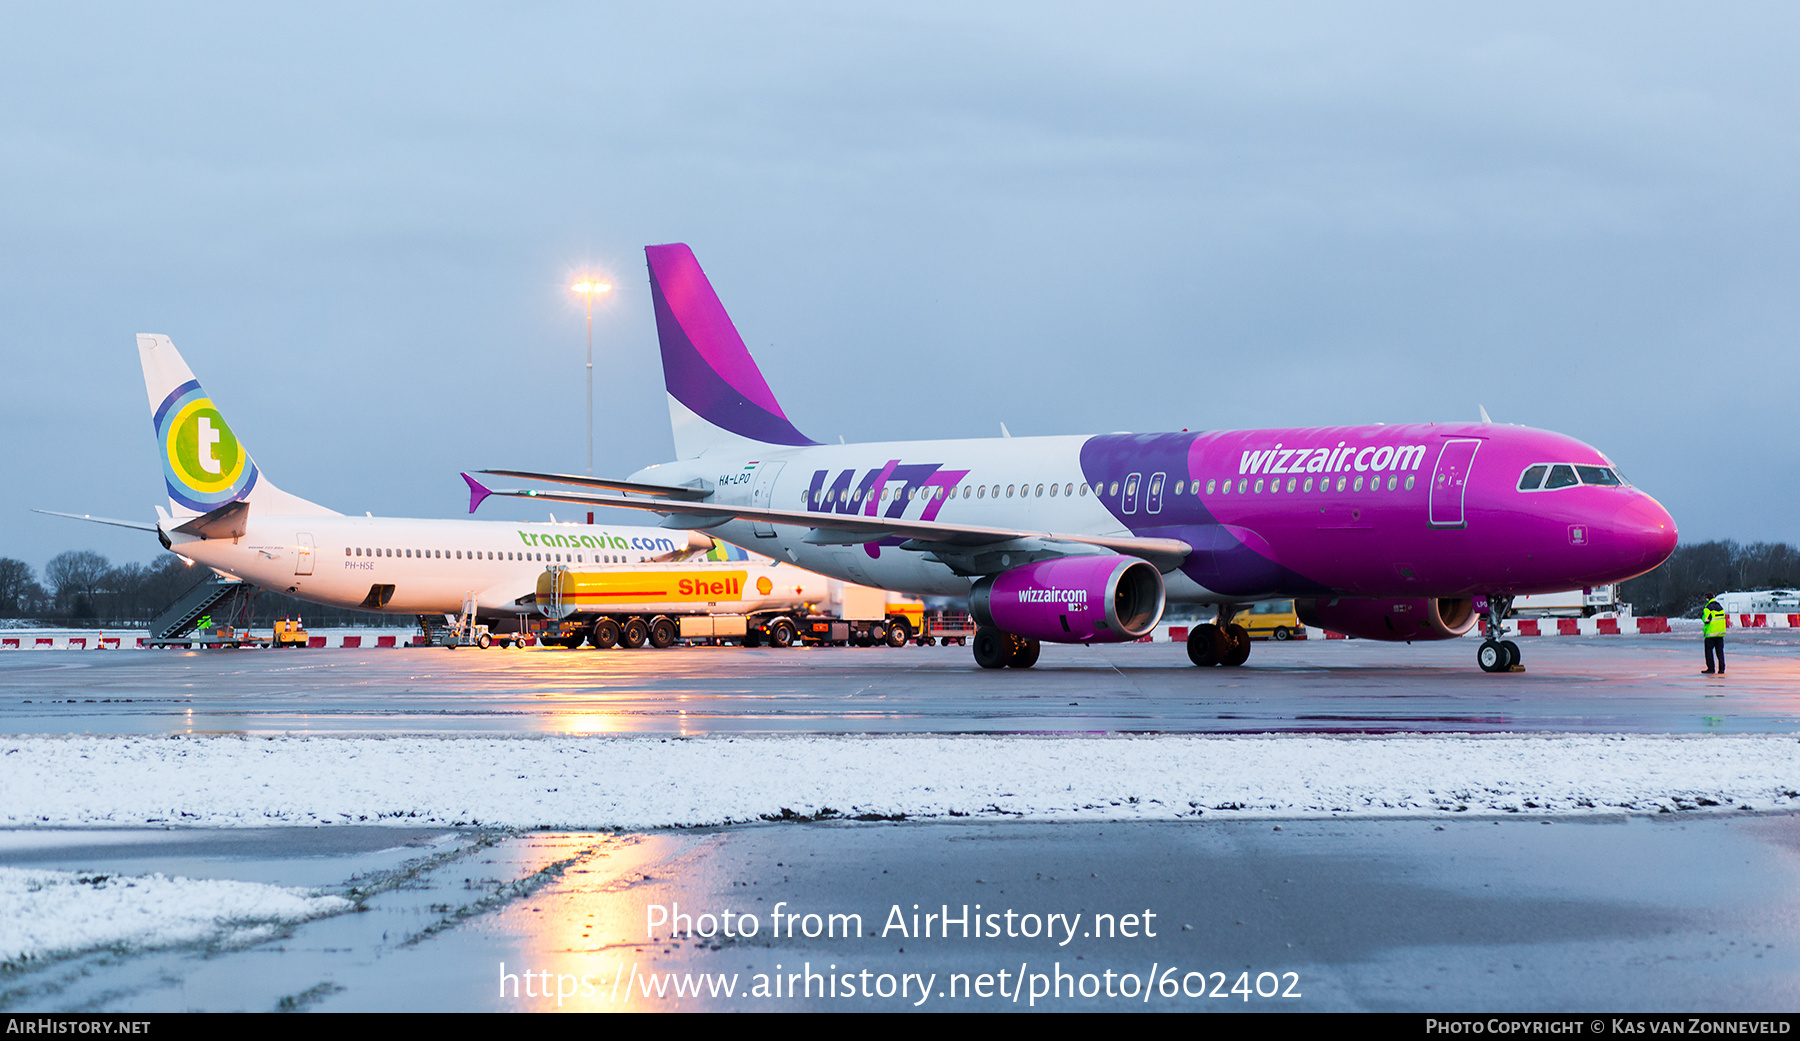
x=1712, y=620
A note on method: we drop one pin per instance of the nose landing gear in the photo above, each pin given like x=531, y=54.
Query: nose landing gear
x=1496, y=654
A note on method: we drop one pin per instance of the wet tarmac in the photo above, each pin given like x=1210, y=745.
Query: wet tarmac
x=1594, y=685
x=1467, y=915
x=1676, y=912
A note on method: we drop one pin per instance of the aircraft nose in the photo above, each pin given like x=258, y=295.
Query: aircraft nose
x=1644, y=533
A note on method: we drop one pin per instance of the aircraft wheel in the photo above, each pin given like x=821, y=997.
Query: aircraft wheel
x=1240, y=645
x=1512, y=652
x=993, y=648
x=634, y=633
x=1283, y=634
x=484, y=641
x=1207, y=645
x=604, y=634
x=1492, y=657
x=1025, y=654
x=781, y=633
x=662, y=633
x=899, y=633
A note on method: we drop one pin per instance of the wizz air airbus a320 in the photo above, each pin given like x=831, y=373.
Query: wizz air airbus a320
x=1382, y=532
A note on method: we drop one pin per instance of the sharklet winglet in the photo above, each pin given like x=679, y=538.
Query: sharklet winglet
x=476, y=492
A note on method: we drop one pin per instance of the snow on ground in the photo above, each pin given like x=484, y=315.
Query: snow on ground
x=586, y=783
x=48, y=913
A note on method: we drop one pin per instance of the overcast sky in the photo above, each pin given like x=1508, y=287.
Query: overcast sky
x=358, y=223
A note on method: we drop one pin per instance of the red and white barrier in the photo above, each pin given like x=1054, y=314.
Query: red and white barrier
x=93, y=639
x=1624, y=626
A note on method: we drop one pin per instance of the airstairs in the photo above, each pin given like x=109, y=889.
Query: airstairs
x=227, y=601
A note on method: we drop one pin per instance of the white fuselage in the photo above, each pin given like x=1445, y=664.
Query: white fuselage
x=434, y=566
x=788, y=479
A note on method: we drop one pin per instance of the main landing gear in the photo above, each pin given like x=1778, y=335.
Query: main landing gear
x=1495, y=654
x=995, y=649
x=1220, y=643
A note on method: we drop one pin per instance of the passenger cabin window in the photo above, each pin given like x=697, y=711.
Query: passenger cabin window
x=1533, y=478
x=1562, y=475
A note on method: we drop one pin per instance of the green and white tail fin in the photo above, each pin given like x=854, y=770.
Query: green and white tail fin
x=204, y=465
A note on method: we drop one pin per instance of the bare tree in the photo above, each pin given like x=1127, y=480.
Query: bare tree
x=17, y=585
x=1694, y=572
x=77, y=578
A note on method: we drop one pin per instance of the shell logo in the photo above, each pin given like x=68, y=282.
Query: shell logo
x=763, y=585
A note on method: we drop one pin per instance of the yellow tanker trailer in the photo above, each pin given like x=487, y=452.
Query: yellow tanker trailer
x=753, y=603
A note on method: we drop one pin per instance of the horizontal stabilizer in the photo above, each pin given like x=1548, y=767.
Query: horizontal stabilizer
x=139, y=525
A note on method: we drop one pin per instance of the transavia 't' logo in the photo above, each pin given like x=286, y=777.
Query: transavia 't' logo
x=203, y=464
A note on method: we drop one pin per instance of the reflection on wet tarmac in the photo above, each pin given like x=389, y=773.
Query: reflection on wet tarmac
x=1619, y=684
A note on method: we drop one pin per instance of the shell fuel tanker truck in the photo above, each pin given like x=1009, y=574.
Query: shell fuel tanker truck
x=754, y=603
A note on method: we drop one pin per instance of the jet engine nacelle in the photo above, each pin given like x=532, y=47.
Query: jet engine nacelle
x=1389, y=618
x=1089, y=599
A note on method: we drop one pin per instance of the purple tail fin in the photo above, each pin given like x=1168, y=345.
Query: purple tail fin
x=717, y=396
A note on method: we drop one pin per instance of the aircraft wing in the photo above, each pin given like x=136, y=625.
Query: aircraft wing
x=955, y=544
x=662, y=491
x=115, y=522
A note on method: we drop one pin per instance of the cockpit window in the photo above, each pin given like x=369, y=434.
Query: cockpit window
x=1533, y=477
x=1562, y=475
x=1598, y=475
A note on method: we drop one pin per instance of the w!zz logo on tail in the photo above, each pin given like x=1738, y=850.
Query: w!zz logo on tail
x=203, y=463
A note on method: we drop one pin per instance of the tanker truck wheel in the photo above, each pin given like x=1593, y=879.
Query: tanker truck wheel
x=662, y=633
x=781, y=633
x=633, y=635
x=605, y=634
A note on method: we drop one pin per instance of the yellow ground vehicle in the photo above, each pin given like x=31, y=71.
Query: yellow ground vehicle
x=288, y=633
x=1271, y=620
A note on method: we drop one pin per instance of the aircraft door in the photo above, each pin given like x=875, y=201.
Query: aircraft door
x=762, y=493
x=303, y=561
x=1128, y=502
x=1449, y=482
x=1153, y=497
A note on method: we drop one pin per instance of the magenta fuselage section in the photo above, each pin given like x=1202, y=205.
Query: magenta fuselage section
x=1407, y=510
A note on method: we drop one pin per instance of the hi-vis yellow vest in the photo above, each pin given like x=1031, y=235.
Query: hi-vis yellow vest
x=1713, y=619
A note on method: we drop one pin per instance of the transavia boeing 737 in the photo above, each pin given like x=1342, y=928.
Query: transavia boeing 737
x=224, y=513
x=1382, y=532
